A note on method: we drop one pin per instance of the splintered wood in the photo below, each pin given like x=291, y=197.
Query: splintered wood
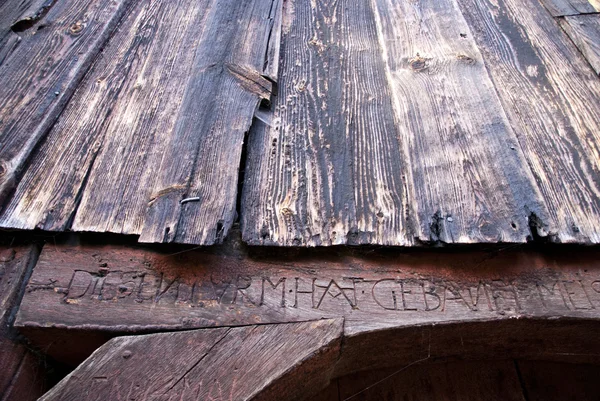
x=387, y=122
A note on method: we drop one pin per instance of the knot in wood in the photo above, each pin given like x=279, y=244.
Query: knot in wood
x=76, y=28
x=418, y=63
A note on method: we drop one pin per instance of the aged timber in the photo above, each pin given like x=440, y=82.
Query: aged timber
x=21, y=373
x=106, y=290
x=269, y=362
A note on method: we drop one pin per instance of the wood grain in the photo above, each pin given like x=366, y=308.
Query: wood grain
x=269, y=362
x=18, y=18
x=38, y=78
x=550, y=94
x=559, y=8
x=469, y=182
x=141, y=101
x=584, y=31
x=203, y=153
x=328, y=167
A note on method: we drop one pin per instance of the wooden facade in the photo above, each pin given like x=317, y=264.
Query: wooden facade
x=299, y=199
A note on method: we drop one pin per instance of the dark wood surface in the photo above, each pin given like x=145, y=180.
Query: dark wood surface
x=266, y=362
x=21, y=374
x=389, y=123
x=480, y=380
x=551, y=381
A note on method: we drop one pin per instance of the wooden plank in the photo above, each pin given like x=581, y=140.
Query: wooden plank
x=38, y=79
x=268, y=362
x=116, y=289
x=551, y=381
x=147, y=115
x=584, y=31
x=469, y=180
x=465, y=381
x=21, y=376
x=550, y=94
x=121, y=100
x=561, y=8
x=329, y=168
x=17, y=17
x=203, y=153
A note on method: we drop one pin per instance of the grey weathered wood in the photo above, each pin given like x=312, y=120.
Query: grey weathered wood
x=203, y=153
x=559, y=8
x=584, y=31
x=551, y=95
x=156, y=139
x=17, y=19
x=109, y=289
x=109, y=139
x=330, y=168
x=469, y=181
x=268, y=362
x=38, y=78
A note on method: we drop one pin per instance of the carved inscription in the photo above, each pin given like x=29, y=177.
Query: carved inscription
x=391, y=294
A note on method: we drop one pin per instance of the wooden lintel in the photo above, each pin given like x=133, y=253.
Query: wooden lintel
x=514, y=298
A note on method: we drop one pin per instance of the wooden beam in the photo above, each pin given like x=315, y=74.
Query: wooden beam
x=266, y=362
x=21, y=375
x=107, y=290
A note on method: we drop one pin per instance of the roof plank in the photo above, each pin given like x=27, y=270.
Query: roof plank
x=140, y=101
x=584, y=31
x=561, y=8
x=551, y=95
x=37, y=79
x=329, y=169
x=469, y=182
x=202, y=155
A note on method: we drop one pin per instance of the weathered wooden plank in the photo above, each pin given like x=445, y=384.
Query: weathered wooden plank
x=465, y=381
x=469, y=180
x=202, y=155
x=551, y=95
x=584, y=31
x=329, y=168
x=142, y=101
x=551, y=381
x=269, y=362
x=17, y=19
x=122, y=101
x=109, y=289
x=38, y=79
x=560, y=8
x=21, y=377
